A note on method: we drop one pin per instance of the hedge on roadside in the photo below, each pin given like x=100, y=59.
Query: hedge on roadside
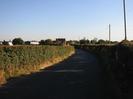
x=117, y=61
x=18, y=60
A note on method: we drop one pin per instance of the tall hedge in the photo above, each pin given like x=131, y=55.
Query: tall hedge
x=117, y=61
x=17, y=60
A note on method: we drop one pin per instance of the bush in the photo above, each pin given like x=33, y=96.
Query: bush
x=116, y=60
x=5, y=43
x=18, y=41
x=18, y=60
x=48, y=42
x=42, y=42
x=27, y=42
x=2, y=78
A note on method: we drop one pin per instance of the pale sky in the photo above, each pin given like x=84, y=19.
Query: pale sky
x=70, y=19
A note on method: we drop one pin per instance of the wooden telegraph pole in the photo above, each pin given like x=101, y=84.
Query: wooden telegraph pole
x=125, y=24
x=109, y=33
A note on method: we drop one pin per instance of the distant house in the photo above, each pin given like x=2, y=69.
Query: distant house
x=10, y=43
x=0, y=42
x=61, y=41
x=34, y=42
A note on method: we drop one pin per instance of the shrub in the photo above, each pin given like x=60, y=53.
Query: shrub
x=18, y=60
x=42, y=42
x=116, y=61
x=5, y=43
x=18, y=41
x=2, y=78
x=27, y=42
x=48, y=42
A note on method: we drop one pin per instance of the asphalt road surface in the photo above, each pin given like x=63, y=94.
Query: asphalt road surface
x=79, y=77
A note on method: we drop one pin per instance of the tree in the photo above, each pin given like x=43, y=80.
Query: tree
x=5, y=43
x=42, y=42
x=84, y=41
x=101, y=41
x=18, y=41
x=48, y=42
x=27, y=42
x=94, y=41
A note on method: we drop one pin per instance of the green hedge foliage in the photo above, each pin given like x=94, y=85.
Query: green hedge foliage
x=116, y=60
x=18, y=60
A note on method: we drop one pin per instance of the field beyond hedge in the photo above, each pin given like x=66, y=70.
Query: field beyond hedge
x=21, y=60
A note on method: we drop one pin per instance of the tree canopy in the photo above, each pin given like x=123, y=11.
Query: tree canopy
x=18, y=41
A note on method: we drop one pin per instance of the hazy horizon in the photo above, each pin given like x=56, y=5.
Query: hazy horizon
x=70, y=19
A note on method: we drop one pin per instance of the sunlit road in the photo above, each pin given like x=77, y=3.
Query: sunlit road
x=79, y=77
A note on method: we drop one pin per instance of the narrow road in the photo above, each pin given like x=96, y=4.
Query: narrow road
x=79, y=77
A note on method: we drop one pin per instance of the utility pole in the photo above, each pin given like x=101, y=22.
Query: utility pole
x=125, y=24
x=109, y=33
